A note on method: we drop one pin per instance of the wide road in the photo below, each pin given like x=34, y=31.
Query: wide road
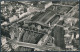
x=30, y=45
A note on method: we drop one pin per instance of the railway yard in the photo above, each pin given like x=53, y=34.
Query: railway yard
x=39, y=26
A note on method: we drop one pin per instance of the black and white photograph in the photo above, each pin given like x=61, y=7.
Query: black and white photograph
x=39, y=26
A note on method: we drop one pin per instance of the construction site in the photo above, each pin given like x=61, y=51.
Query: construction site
x=39, y=26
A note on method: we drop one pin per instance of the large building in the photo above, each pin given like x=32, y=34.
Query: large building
x=39, y=26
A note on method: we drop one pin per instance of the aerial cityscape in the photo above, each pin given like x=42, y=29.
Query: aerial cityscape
x=39, y=26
